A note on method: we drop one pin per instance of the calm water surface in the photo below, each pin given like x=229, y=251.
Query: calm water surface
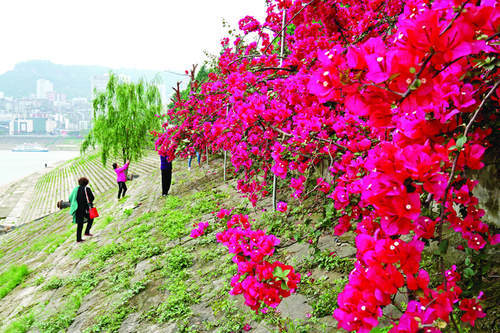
x=17, y=165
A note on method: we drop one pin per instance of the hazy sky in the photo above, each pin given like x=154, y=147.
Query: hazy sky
x=146, y=34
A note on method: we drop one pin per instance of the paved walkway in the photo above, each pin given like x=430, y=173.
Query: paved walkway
x=16, y=196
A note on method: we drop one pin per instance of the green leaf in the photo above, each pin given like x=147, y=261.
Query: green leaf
x=468, y=272
x=413, y=70
x=417, y=83
x=443, y=246
x=461, y=141
x=467, y=262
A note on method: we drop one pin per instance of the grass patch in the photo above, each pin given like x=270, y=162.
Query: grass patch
x=323, y=294
x=173, y=223
x=178, y=259
x=329, y=262
x=61, y=320
x=103, y=222
x=21, y=325
x=54, y=283
x=172, y=202
x=13, y=276
x=178, y=302
x=107, y=251
x=49, y=243
x=231, y=318
x=112, y=320
x=143, y=219
x=84, y=250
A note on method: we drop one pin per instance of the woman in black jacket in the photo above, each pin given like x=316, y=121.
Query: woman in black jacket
x=85, y=199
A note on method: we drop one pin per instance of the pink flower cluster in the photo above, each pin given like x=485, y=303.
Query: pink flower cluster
x=392, y=97
x=281, y=206
x=260, y=282
x=199, y=230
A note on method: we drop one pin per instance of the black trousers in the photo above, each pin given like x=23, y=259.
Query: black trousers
x=166, y=179
x=79, y=226
x=121, y=187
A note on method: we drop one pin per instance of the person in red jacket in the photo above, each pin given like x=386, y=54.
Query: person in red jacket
x=121, y=178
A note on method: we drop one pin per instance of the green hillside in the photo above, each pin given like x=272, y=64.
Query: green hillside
x=73, y=81
x=141, y=272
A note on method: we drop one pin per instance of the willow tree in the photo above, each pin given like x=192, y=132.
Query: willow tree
x=124, y=115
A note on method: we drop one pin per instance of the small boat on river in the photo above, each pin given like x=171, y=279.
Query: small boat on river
x=30, y=147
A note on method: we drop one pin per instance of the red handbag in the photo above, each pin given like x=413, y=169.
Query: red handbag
x=93, y=211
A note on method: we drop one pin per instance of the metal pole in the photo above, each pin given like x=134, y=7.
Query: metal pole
x=225, y=152
x=225, y=158
x=282, y=50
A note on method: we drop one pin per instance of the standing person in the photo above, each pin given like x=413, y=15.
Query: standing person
x=81, y=199
x=198, y=156
x=166, y=174
x=121, y=178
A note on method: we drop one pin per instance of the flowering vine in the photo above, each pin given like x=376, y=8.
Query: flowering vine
x=398, y=98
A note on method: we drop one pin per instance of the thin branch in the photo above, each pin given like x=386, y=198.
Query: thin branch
x=385, y=88
x=454, y=322
x=249, y=56
x=417, y=77
x=333, y=143
x=446, y=66
x=286, y=25
x=341, y=29
x=452, y=173
x=456, y=16
x=480, y=107
x=493, y=36
x=288, y=69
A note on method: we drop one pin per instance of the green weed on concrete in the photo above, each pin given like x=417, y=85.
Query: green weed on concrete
x=21, y=325
x=13, y=276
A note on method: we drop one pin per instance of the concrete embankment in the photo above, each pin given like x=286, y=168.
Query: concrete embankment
x=36, y=195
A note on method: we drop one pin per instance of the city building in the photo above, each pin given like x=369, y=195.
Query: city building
x=44, y=88
x=98, y=84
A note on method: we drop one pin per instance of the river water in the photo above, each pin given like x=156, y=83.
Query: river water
x=17, y=165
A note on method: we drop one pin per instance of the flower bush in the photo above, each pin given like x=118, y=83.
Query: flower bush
x=260, y=281
x=399, y=98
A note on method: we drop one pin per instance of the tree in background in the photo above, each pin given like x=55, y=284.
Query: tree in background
x=124, y=114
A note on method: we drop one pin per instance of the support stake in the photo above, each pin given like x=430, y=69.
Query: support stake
x=282, y=50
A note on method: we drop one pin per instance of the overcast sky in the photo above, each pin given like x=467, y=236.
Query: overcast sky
x=145, y=34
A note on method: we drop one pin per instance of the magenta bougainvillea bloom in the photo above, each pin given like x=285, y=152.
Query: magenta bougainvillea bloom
x=281, y=206
x=376, y=107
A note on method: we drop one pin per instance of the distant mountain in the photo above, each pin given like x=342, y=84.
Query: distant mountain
x=73, y=81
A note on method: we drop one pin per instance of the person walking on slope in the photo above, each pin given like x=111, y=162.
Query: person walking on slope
x=166, y=174
x=198, y=156
x=81, y=199
x=121, y=178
